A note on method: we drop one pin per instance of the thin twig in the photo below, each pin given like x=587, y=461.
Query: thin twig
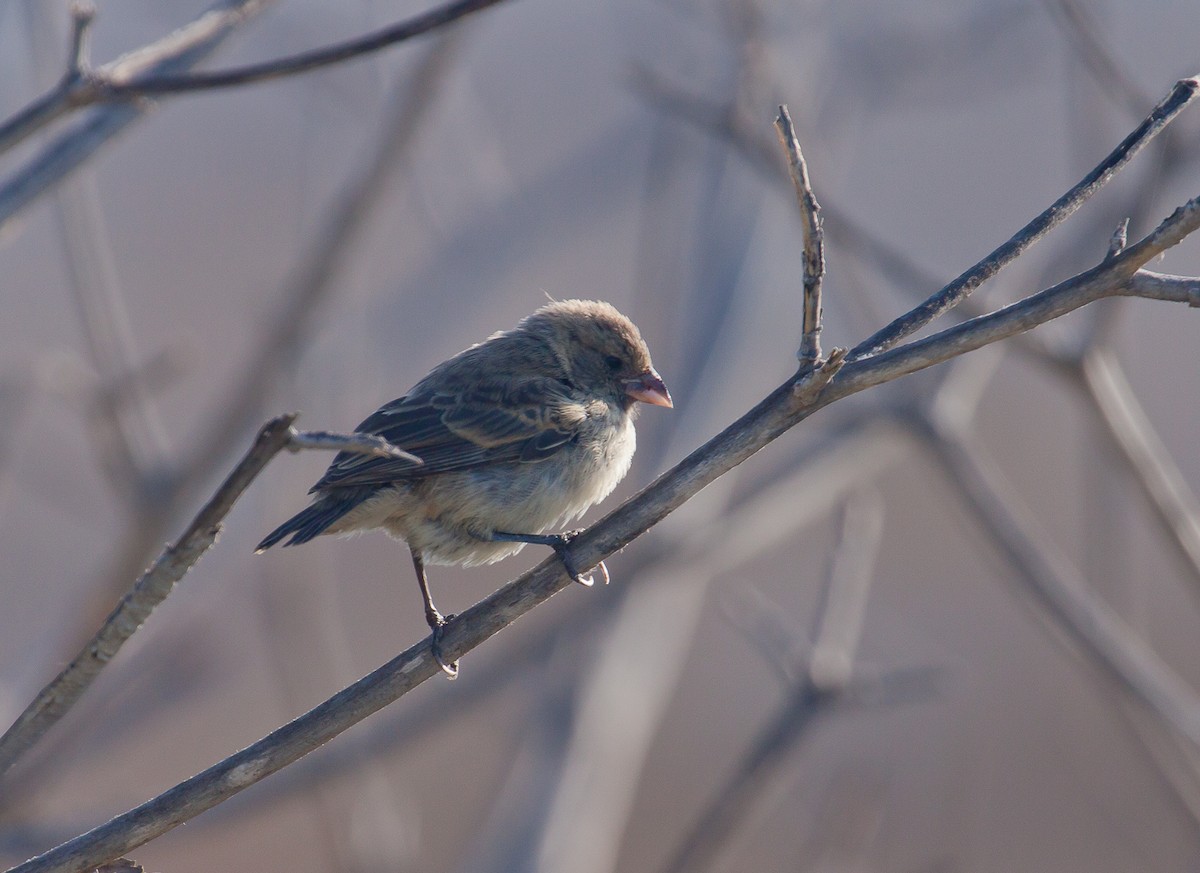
x=121, y=83
x=814, y=240
x=1119, y=238
x=359, y=443
x=82, y=15
x=418, y=25
x=1119, y=276
x=958, y=290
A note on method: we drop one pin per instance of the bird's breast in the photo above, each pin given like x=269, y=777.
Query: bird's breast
x=449, y=517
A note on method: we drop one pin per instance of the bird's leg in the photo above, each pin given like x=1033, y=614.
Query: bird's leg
x=559, y=542
x=435, y=620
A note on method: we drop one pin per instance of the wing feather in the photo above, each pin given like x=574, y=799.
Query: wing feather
x=527, y=421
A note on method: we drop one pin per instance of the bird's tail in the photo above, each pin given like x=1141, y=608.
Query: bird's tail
x=312, y=522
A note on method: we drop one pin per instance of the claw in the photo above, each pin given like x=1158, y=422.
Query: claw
x=560, y=544
x=588, y=581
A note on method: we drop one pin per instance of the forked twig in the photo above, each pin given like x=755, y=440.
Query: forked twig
x=53, y=701
x=962, y=287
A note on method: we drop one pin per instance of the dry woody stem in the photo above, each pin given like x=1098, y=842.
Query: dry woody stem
x=962, y=287
x=814, y=240
x=135, y=607
x=53, y=701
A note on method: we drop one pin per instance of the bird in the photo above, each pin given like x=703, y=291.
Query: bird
x=516, y=436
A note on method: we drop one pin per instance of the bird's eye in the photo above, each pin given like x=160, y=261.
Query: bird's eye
x=613, y=363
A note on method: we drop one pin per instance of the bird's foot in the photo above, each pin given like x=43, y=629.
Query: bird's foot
x=560, y=543
x=437, y=625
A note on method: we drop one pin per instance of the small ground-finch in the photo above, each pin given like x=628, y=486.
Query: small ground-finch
x=518, y=434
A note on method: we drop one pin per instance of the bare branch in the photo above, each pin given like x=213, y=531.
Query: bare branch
x=53, y=702
x=140, y=74
x=1119, y=239
x=1165, y=486
x=814, y=240
x=811, y=382
x=844, y=605
x=1056, y=586
x=180, y=50
x=418, y=25
x=135, y=607
x=1170, y=232
x=1119, y=276
x=962, y=287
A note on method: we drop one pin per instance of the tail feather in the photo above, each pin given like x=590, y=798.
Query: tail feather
x=314, y=520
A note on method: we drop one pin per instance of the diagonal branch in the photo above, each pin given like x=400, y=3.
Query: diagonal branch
x=135, y=607
x=53, y=701
x=1057, y=586
x=962, y=287
x=418, y=25
x=121, y=82
x=1165, y=486
x=180, y=50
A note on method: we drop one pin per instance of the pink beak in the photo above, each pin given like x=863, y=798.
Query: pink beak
x=649, y=388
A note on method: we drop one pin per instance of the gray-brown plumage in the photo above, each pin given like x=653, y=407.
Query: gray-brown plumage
x=518, y=435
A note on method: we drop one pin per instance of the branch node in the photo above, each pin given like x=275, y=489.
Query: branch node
x=812, y=380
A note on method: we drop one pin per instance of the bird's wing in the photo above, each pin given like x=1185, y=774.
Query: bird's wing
x=527, y=420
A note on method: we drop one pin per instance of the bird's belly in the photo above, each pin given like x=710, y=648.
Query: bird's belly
x=450, y=518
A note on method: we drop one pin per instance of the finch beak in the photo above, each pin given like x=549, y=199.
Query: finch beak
x=649, y=388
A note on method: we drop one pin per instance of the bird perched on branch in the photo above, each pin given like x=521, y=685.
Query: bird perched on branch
x=516, y=435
